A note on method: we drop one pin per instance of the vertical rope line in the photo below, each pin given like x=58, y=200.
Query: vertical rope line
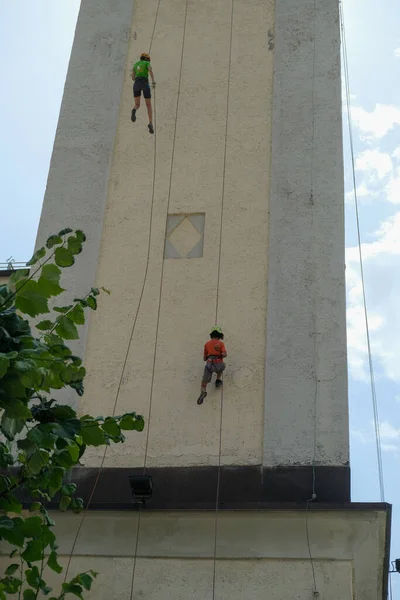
x=217, y=305
x=159, y=298
x=84, y=514
x=314, y=305
x=370, y=362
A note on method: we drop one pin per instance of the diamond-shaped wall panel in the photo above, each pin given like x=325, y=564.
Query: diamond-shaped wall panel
x=185, y=236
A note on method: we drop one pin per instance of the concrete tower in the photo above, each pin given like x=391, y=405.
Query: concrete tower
x=231, y=214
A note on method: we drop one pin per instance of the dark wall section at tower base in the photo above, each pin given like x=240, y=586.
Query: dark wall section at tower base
x=196, y=487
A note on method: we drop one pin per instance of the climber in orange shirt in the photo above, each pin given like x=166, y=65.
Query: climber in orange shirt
x=214, y=353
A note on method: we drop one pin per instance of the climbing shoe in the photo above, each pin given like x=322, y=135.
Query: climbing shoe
x=218, y=383
x=201, y=397
x=133, y=115
x=151, y=128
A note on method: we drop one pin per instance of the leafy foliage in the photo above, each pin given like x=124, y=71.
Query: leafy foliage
x=42, y=439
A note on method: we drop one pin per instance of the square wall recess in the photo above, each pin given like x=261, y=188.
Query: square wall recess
x=185, y=236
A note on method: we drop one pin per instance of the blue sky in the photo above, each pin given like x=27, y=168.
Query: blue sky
x=35, y=42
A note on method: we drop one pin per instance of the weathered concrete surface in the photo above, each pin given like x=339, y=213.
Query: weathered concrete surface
x=219, y=98
x=306, y=374
x=260, y=555
x=232, y=191
x=79, y=171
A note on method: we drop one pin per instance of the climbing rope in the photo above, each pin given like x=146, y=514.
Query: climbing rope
x=84, y=514
x=159, y=297
x=314, y=306
x=217, y=493
x=370, y=362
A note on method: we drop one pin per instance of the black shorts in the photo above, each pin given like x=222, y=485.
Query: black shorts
x=141, y=85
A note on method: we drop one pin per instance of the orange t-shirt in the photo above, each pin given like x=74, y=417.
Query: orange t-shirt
x=214, y=347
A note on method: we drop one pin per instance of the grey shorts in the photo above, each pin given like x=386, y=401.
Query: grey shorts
x=211, y=368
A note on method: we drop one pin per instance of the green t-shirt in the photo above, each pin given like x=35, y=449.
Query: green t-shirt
x=142, y=68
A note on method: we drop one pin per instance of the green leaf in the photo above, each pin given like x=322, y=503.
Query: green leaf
x=127, y=423
x=48, y=538
x=42, y=436
x=53, y=564
x=53, y=240
x=37, y=461
x=139, y=423
x=85, y=579
x=4, y=364
x=77, y=315
x=56, y=480
x=77, y=505
x=106, y=291
x=45, y=325
x=10, y=585
x=65, y=501
x=10, y=504
x=132, y=422
x=49, y=281
x=73, y=450
x=80, y=235
x=67, y=330
x=94, y=291
x=35, y=506
x=32, y=526
x=33, y=551
x=91, y=434
x=16, y=410
x=68, y=489
x=73, y=588
x=62, y=413
x=29, y=595
x=6, y=523
x=33, y=577
x=12, y=568
x=63, y=257
x=37, y=256
x=14, y=537
x=62, y=309
x=74, y=246
x=91, y=302
x=30, y=300
x=66, y=374
x=111, y=427
x=45, y=588
x=64, y=231
x=17, y=276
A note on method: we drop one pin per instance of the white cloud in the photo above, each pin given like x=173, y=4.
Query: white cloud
x=389, y=435
x=388, y=432
x=396, y=154
x=390, y=448
x=392, y=189
x=381, y=260
x=375, y=163
x=377, y=123
x=397, y=52
x=362, y=192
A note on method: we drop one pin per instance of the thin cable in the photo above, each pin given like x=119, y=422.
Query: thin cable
x=315, y=592
x=160, y=297
x=314, y=307
x=133, y=325
x=371, y=367
x=217, y=306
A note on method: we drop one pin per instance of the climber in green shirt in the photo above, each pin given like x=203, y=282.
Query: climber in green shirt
x=140, y=76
